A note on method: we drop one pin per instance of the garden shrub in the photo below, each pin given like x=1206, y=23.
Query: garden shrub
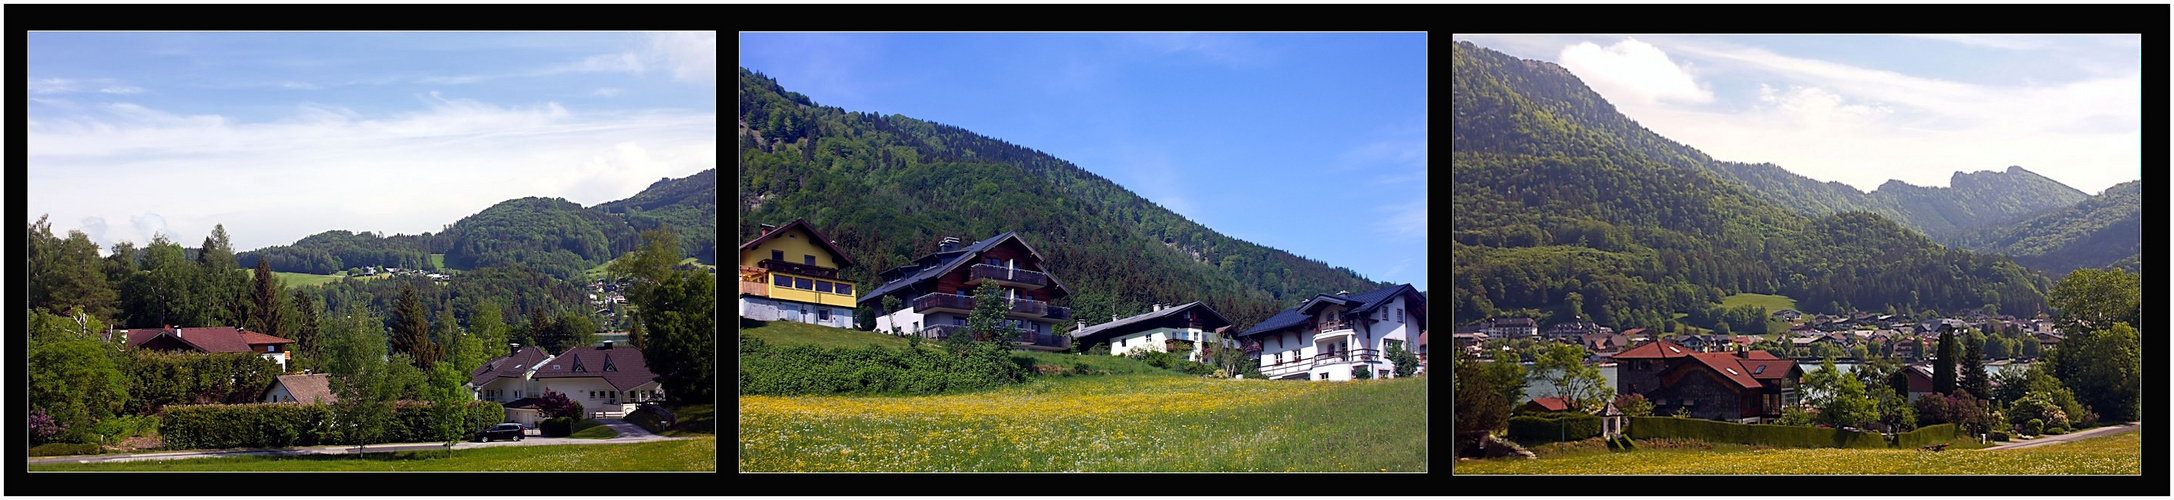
x=1931, y=434
x=1998, y=435
x=1551, y=428
x=2034, y=427
x=59, y=449
x=1782, y=436
x=157, y=379
x=817, y=370
x=258, y=425
x=556, y=426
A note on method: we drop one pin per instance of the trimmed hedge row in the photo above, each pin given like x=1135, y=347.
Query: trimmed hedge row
x=1538, y=429
x=1931, y=434
x=556, y=426
x=817, y=370
x=1785, y=436
x=279, y=425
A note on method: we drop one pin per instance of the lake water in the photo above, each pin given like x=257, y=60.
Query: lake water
x=1540, y=388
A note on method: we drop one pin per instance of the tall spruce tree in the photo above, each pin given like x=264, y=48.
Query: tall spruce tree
x=266, y=314
x=223, y=292
x=1943, y=366
x=1970, y=368
x=411, y=329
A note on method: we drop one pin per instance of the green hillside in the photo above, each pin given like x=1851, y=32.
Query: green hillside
x=887, y=188
x=1558, y=197
x=2104, y=230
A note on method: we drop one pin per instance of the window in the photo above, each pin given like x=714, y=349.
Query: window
x=777, y=255
x=822, y=286
x=271, y=348
x=992, y=261
x=1383, y=374
x=1323, y=376
x=803, y=283
x=844, y=289
x=781, y=280
x=807, y=259
x=958, y=321
x=822, y=314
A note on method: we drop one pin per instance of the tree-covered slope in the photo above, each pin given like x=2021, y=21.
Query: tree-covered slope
x=1556, y=211
x=1975, y=201
x=687, y=205
x=550, y=234
x=887, y=188
x=2099, y=231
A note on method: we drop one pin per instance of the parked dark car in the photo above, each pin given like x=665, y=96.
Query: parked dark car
x=500, y=431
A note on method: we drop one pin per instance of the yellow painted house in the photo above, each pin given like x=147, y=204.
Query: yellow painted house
x=790, y=273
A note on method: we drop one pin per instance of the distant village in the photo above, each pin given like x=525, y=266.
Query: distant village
x=1896, y=335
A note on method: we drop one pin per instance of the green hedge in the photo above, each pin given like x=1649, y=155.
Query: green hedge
x=1931, y=434
x=157, y=379
x=260, y=425
x=556, y=426
x=1784, y=436
x=817, y=370
x=59, y=449
x=1546, y=429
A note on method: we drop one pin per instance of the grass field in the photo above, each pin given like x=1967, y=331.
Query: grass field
x=695, y=454
x=437, y=261
x=1137, y=422
x=2115, y=454
x=784, y=333
x=591, y=429
x=1772, y=303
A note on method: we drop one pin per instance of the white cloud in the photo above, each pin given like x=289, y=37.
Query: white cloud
x=52, y=86
x=121, y=89
x=2010, y=42
x=327, y=167
x=1837, y=122
x=608, y=92
x=73, y=85
x=690, y=56
x=1405, y=220
x=1632, y=70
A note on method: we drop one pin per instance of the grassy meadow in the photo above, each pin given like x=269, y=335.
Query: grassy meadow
x=694, y=454
x=1135, y=422
x=2114, y=454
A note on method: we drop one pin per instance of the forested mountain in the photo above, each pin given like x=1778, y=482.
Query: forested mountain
x=1971, y=202
x=1560, y=205
x=2104, y=230
x=887, y=188
x=552, y=235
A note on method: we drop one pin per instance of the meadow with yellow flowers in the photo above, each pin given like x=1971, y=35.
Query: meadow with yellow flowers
x=2115, y=454
x=1160, y=421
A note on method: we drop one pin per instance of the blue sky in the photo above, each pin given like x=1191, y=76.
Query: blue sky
x=1864, y=109
x=282, y=135
x=1313, y=143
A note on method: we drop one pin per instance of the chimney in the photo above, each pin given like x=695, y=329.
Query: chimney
x=1343, y=292
x=1113, y=317
x=516, y=347
x=1082, y=326
x=949, y=243
x=766, y=228
x=607, y=345
x=1158, y=307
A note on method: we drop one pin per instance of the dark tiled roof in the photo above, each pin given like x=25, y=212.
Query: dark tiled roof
x=1140, y=322
x=1554, y=403
x=1360, y=304
x=803, y=223
x=511, y=365
x=1722, y=364
x=207, y=339
x=622, y=366
x=952, y=260
x=1658, y=349
x=308, y=389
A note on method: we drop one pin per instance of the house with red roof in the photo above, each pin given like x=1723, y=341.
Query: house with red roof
x=207, y=339
x=604, y=379
x=1552, y=404
x=1741, y=386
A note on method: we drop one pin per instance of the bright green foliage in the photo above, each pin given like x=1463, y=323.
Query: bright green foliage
x=2095, y=299
x=1406, y=362
x=158, y=379
x=1563, y=366
x=2104, y=369
x=66, y=275
x=1840, y=398
x=987, y=323
x=76, y=382
x=683, y=335
x=817, y=370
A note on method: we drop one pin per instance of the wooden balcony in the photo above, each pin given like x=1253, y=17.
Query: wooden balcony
x=1006, y=276
x=798, y=268
x=757, y=289
x=1021, y=308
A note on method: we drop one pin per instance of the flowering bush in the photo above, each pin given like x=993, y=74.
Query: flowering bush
x=43, y=427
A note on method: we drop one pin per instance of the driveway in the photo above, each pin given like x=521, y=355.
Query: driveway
x=628, y=433
x=2046, y=440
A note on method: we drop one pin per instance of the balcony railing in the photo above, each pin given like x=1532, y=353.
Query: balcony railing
x=1272, y=369
x=1020, y=307
x=755, y=288
x=1052, y=341
x=1330, y=326
x=1007, y=274
x=798, y=268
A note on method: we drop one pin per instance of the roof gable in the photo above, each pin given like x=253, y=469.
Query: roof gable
x=945, y=262
x=307, y=389
x=802, y=224
x=206, y=339
x=1210, y=320
x=628, y=369
x=1354, y=305
x=1658, y=349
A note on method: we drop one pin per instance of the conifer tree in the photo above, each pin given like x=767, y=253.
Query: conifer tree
x=266, y=315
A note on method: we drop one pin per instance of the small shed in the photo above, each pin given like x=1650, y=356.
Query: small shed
x=1611, y=421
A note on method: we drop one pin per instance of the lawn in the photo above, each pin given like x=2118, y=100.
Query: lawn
x=784, y=333
x=694, y=420
x=1772, y=303
x=437, y=261
x=1134, y=422
x=2115, y=454
x=591, y=429
x=694, y=454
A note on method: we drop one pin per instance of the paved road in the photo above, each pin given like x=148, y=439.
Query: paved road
x=2112, y=429
x=628, y=433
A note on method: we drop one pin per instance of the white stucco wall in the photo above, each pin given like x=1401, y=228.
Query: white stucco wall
x=509, y=389
x=768, y=309
x=579, y=389
x=905, y=318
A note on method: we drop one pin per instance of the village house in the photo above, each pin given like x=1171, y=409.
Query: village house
x=936, y=292
x=1741, y=386
x=1329, y=336
x=511, y=381
x=1576, y=328
x=1510, y=328
x=1193, y=328
x=207, y=339
x=606, y=380
x=305, y=389
x=790, y=273
x=1551, y=404
x=1788, y=315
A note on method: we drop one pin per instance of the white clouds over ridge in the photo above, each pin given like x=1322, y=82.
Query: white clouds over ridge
x=1632, y=70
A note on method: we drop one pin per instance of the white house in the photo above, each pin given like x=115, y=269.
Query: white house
x=1330, y=336
x=604, y=379
x=935, y=292
x=305, y=389
x=1191, y=327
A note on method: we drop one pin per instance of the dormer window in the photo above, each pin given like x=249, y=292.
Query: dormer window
x=607, y=364
x=577, y=366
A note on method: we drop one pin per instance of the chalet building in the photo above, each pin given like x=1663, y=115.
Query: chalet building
x=1511, y=328
x=207, y=339
x=790, y=273
x=509, y=378
x=1328, y=336
x=604, y=379
x=1192, y=328
x=1741, y=386
x=1788, y=315
x=936, y=291
x=305, y=389
x=1576, y=328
